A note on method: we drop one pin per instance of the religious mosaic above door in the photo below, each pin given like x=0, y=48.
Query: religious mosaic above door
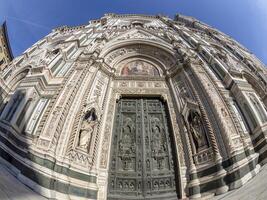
x=141, y=163
x=139, y=68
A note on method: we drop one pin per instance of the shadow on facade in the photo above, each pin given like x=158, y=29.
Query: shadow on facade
x=174, y=154
x=16, y=162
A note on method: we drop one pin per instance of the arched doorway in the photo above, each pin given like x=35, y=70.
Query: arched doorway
x=142, y=163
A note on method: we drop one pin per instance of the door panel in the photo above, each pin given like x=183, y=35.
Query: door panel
x=141, y=163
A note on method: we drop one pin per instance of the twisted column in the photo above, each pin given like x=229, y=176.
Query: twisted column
x=214, y=146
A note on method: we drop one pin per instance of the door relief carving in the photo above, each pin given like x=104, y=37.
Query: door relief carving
x=141, y=165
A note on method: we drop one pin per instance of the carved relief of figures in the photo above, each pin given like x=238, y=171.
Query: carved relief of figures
x=157, y=140
x=159, y=146
x=233, y=63
x=221, y=55
x=183, y=92
x=197, y=131
x=226, y=58
x=49, y=56
x=87, y=128
x=126, y=143
x=145, y=50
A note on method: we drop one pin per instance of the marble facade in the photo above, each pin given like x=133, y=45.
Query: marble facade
x=59, y=102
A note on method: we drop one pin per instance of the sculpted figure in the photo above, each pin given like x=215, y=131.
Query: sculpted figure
x=126, y=143
x=197, y=131
x=87, y=128
x=233, y=62
x=157, y=140
x=49, y=56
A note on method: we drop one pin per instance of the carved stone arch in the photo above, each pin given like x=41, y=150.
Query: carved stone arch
x=13, y=104
x=190, y=106
x=112, y=45
x=162, y=57
x=255, y=84
x=95, y=106
x=18, y=76
x=139, y=35
x=160, y=64
x=156, y=43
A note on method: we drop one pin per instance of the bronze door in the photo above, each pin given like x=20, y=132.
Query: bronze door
x=141, y=161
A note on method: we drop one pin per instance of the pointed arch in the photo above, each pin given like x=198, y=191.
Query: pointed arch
x=18, y=76
x=255, y=84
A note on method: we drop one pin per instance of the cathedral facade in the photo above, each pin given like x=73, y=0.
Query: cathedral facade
x=134, y=107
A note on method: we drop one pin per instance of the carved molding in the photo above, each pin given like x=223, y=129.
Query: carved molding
x=140, y=90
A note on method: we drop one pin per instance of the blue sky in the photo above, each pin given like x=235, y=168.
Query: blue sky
x=30, y=20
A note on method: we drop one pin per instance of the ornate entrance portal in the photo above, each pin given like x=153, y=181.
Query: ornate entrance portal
x=141, y=162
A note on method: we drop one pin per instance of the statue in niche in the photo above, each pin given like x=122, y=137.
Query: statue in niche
x=197, y=131
x=87, y=128
x=49, y=56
